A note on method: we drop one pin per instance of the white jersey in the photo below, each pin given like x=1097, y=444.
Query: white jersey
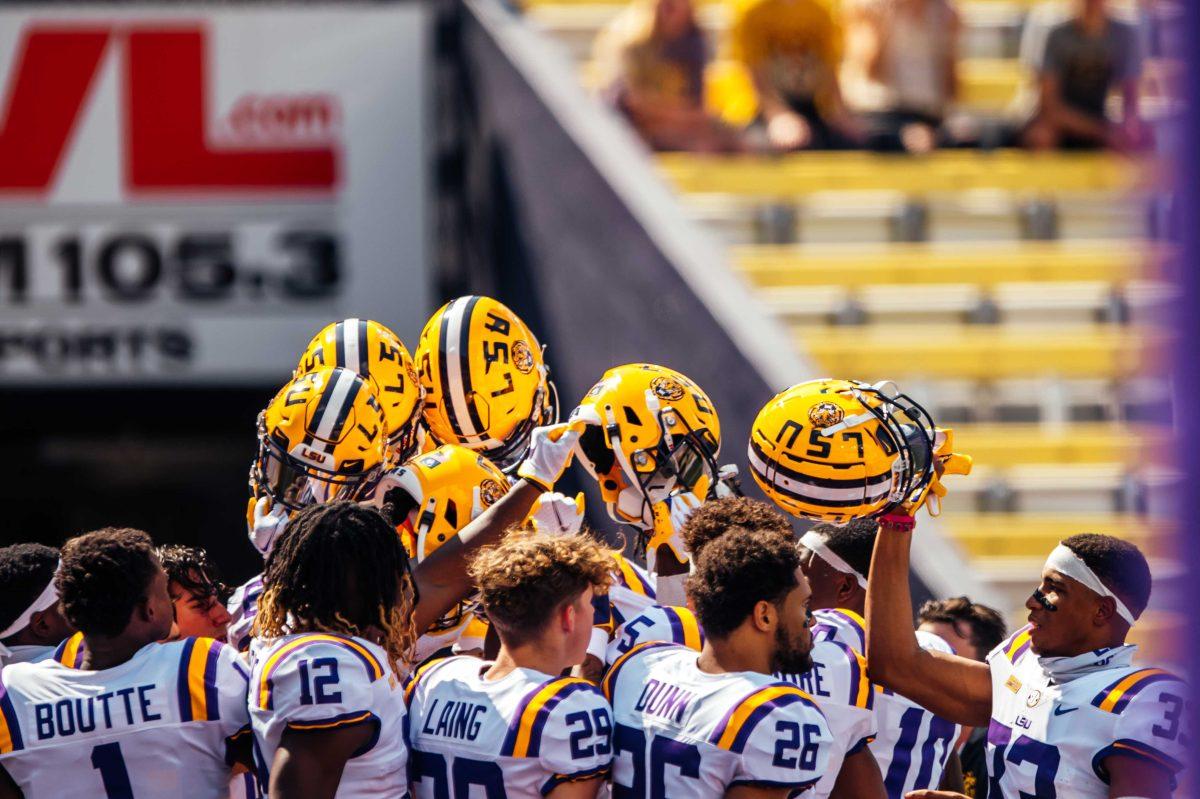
x=841, y=625
x=317, y=681
x=434, y=641
x=838, y=681
x=683, y=733
x=673, y=625
x=519, y=736
x=25, y=653
x=156, y=726
x=913, y=744
x=632, y=590
x=1055, y=720
x=243, y=607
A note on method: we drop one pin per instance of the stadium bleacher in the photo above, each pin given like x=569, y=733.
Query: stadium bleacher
x=1018, y=293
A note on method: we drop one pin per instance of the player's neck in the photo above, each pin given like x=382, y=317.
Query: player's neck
x=732, y=654
x=527, y=656
x=101, y=652
x=856, y=602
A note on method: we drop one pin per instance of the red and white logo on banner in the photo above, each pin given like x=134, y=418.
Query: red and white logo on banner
x=266, y=144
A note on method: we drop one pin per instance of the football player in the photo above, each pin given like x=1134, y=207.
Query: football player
x=323, y=436
x=196, y=592
x=32, y=619
x=972, y=630
x=430, y=499
x=515, y=727
x=486, y=383
x=719, y=724
x=651, y=444
x=337, y=622
x=913, y=745
x=837, y=679
x=1068, y=712
x=123, y=716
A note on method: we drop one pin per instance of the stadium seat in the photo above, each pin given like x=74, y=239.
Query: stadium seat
x=876, y=351
x=1025, y=535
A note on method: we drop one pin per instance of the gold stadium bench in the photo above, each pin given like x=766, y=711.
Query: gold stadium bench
x=983, y=353
x=1000, y=445
x=948, y=171
x=1026, y=535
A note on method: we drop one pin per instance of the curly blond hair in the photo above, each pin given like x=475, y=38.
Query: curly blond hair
x=525, y=579
x=339, y=568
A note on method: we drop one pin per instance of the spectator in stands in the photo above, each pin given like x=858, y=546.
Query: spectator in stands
x=792, y=50
x=197, y=593
x=973, y=630
x=1087, y=57
x=901, y=69
x=652, y=59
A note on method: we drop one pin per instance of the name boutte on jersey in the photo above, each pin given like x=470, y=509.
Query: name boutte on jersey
x=121, y=708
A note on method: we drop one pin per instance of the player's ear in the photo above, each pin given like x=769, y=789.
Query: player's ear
x=765, y=616
x=567, y=617
x=1105, y=611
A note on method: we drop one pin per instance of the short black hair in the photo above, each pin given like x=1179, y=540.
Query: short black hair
x=1119, y=564
x=853, y=541
x=104, y=575
x=986, y=624
x=737, y=570
x=25, y=571
x=192, y=569
x=709, y=521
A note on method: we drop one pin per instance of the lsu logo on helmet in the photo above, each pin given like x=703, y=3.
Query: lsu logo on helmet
x=840, y=449
x=486, y=384
x=651, y=431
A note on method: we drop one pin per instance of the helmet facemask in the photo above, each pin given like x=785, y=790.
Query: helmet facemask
x=295, y=482
x=908, y=429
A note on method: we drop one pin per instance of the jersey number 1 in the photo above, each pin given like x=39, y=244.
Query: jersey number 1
x=108, y=760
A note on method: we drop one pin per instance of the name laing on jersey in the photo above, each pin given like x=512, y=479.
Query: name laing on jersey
x=811, y=682
x=461, y=720
x=124, y=707
x=664, y=700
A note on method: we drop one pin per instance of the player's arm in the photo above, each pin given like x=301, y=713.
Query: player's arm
x=309, y=763
x=1132, y=776
x=952, y=687
x=442, y=577
x=859, y=778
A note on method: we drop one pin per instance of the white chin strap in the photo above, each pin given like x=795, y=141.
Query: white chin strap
x=1064, y=561
x=816, y=543
x=44, y=600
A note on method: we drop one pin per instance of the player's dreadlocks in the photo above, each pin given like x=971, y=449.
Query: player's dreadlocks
x=334, y=569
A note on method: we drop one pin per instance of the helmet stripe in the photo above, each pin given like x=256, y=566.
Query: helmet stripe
x=818, y=491
x=454, y=365
x=464, y=356
x=353, y=335
x=334, y=406
x=339, y=344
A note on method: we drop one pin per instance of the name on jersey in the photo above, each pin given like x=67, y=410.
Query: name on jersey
x=664, y=700
x=460, y=720
x=811, y=682
x=122, y=708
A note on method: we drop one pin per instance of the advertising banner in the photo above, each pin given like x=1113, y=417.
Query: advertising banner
x=188, y=193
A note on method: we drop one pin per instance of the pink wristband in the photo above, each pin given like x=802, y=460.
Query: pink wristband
x=898, y=521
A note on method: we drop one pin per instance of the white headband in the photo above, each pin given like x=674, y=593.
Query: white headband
x=1064, y=561
x=45, y=599
x=816, y=543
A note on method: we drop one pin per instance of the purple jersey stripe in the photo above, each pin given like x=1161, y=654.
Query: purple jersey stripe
x=677, y=634
x=181, y=685
x=10, y=718
x=761, y=712
x=212, y=705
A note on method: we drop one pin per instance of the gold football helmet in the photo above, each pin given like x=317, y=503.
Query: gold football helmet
x=651, y=431
x=433, y=496
x=486, y=384
x=321, y=438
x=378, y=355
x=840, y=449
